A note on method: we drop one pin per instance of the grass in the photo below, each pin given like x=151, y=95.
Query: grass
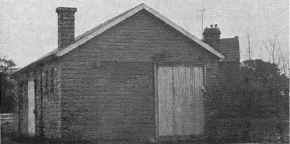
x=41, y=140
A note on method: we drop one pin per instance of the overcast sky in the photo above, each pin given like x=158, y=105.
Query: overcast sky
x=28, y=28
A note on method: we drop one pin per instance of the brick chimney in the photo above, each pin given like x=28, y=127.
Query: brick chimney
x=211, y=35
x=66, y=26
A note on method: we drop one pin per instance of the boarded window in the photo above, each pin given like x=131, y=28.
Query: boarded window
x=180, y=100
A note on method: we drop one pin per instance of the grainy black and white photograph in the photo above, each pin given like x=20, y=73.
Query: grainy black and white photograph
x=144, y=71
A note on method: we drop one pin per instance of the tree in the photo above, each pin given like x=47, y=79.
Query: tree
x=7, y=85
x=276, y=54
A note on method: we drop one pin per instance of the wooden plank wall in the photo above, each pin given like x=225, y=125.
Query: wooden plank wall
x=181, y=110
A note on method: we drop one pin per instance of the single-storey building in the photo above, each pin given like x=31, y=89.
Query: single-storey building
x=138, y=76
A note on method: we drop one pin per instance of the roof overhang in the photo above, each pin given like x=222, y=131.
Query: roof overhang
x=114, y=21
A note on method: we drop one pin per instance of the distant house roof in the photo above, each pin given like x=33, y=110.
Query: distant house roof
x=83, y=38
x=229, y=47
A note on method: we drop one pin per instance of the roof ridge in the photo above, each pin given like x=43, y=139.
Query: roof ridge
x=123, y=16
x=143, y=5
x=107, y=24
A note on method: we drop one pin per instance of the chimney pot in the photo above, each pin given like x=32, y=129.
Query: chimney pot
x=66, y=26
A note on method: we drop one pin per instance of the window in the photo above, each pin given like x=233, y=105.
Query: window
x=46, y=82
x=35, y=86
x=21, y=95
x=41, y=84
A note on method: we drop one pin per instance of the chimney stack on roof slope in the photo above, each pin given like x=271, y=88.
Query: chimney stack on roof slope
x=211, y=35
x=66, y=26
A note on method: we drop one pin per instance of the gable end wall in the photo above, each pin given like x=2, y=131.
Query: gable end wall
x=112, y=75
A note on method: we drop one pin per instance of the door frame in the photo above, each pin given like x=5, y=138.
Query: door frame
x=156, y=97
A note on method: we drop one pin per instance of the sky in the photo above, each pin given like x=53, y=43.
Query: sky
x=28, y=28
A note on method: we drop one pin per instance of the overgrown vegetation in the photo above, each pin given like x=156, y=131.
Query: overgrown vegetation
x=7, y=86
x=255, y=90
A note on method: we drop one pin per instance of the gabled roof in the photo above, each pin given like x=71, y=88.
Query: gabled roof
x=83, y=38
x=114, y=21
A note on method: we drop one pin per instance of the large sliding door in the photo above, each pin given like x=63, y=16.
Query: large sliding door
x=181, y=110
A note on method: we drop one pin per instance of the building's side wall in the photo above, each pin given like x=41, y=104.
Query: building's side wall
x=221, y=100
x=112, y=101
x=47, y=100
x=108, y=83
x=22, y=107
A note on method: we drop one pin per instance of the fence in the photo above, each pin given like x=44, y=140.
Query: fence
x=8, y=123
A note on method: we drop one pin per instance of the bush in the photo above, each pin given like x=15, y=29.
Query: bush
x=256, y=90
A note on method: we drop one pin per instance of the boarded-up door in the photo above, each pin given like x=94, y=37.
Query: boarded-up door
x=31, y=107
x=181, y=110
